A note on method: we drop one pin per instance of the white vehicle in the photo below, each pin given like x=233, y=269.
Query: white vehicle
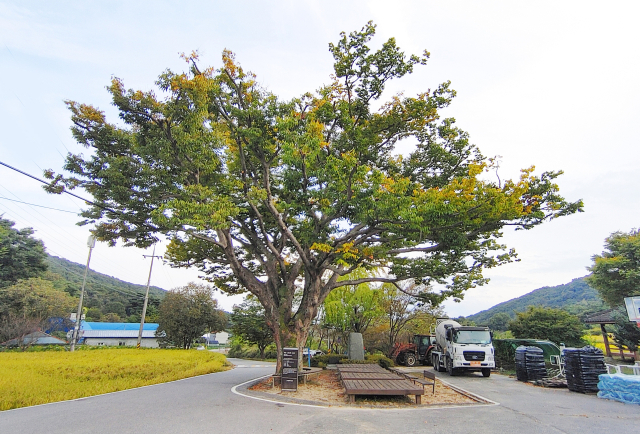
x=314, y=353
x=462, y=348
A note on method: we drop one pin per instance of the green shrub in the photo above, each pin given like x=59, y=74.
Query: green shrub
x=327, y=359
x=236, y=350
x=381, y=360
x=332, y=359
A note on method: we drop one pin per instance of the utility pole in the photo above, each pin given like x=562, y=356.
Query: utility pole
x=91, y=243
x=146, y=295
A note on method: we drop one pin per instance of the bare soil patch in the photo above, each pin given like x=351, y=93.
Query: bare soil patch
x=327, y=389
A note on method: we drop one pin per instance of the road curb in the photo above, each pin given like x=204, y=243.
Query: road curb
x=242, y=390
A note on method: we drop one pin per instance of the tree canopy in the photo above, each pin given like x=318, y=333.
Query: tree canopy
x=554, y=325
x=352, y=308
x=21, y=255
x=35, y=298
x=500, y=322
x=283, y=197
x=186, y=313
x=249, y=323
x=616, y=272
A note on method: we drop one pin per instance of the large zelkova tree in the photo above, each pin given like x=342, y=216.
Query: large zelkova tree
x=615, y=273
x=283, y=197
x=21, y=255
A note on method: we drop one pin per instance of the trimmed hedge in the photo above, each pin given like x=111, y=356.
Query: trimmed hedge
x=333, y=359
x=327, y=359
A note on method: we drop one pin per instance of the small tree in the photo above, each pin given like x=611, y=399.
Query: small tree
x=616, y=272
x=187, y=313
x=18, y=327
x=550, y=324
x=21, y=255
x=250, y=324
x=400, y=310
x=35, y=298
x=352, y=308
x=625, y=332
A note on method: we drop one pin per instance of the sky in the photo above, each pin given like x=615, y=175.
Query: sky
x=546, y=83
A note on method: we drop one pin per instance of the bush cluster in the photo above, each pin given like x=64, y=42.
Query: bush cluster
x=327, y=359
x=332, y=359
x=381, y=360
x=240, y=351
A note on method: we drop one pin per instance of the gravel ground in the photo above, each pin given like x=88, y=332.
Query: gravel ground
x=326, y=389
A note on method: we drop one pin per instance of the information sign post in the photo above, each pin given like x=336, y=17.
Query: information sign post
x=289, y=369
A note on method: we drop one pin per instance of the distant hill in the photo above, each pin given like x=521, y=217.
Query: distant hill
x=108, y=294
x=576, y=297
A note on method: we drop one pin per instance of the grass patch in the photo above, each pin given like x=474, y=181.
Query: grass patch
x=41, y=377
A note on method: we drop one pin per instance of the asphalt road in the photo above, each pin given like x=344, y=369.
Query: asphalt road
x=207, y=404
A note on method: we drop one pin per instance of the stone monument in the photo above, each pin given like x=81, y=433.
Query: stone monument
x=356, y=346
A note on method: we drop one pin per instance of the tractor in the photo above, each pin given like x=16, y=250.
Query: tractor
x=419, y=350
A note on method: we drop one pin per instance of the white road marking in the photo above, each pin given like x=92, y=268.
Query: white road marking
x=490, y=403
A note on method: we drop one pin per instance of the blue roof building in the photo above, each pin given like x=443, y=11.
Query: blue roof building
x=123, y=334
x=89, y=325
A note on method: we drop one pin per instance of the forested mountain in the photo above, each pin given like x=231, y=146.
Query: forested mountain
x=576, y=297
x=104, y=294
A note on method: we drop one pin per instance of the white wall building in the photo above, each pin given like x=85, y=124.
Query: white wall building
x=122, y=338
x=117, y=334
x=221, y=338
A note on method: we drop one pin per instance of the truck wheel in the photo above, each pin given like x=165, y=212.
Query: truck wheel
x=486, y=372
x=450, y=369
x=409, y=359
x=434, y=363
x=427, y=359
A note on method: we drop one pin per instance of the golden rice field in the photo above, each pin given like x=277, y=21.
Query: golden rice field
x=598, y=341
x=41, y=377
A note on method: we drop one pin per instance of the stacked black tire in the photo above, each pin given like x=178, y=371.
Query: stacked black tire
x=582, y=367
x=530, y=364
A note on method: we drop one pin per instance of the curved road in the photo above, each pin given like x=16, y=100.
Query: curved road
x=206, y=404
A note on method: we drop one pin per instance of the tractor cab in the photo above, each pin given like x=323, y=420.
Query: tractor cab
x=423, y=344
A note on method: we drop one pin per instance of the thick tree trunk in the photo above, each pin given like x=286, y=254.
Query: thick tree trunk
x=293, y=334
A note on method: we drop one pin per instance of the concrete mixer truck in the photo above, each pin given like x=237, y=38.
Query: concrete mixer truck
x=462, y=348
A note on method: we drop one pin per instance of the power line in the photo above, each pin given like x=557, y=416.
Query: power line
x=63, y=191
x=41, y=206
x=61, y=243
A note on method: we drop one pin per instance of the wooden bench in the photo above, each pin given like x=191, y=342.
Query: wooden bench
x=273, y=379
x=382, y=387
x=307, y=372
x=429, y=379
x=304, y=374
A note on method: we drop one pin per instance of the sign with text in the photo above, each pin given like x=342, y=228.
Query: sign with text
x=289, y=369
